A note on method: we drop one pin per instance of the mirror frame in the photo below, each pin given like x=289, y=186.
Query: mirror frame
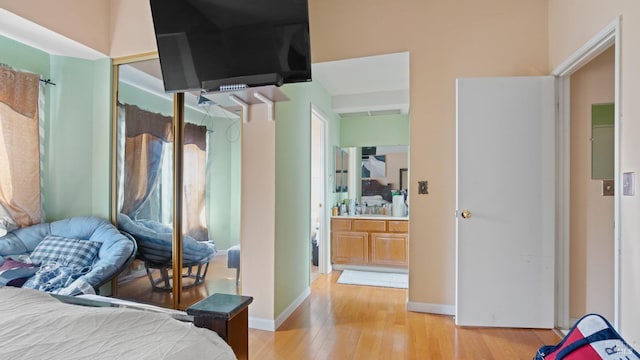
x=178, y=167
x=403, y=179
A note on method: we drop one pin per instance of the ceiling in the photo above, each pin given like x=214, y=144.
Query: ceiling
x=39, y=37
x=366, y=86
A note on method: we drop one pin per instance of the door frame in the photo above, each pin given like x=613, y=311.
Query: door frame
x=607, y=37
x=324, y=260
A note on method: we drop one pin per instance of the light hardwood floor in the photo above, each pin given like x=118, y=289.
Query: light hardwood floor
x=359, y=322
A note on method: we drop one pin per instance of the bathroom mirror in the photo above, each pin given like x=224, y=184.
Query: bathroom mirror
x=377, y=169
x=341, y=170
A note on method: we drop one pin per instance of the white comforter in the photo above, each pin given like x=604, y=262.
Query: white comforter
x=34, y=325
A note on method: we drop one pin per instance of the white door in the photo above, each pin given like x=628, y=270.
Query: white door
x=319, y=223
x=505, y=232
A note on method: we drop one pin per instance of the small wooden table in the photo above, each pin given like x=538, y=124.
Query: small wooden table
x=227, y=315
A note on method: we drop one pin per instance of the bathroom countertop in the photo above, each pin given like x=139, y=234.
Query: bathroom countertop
x=371, y=217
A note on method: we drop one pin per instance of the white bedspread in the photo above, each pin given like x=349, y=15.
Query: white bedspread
x=34, y=325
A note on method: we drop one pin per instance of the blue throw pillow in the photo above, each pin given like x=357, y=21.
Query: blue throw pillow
x=55, y=249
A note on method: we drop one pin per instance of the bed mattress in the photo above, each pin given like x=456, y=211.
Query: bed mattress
x=34, y=325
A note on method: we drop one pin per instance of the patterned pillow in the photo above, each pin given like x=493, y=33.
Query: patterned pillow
x=60, y=250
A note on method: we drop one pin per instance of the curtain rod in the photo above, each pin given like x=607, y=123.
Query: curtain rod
x=47, y=81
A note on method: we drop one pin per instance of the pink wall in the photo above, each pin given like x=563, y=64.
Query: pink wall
x=571, y=24
x=591, y=245
x=446, y=40
x=257, y=221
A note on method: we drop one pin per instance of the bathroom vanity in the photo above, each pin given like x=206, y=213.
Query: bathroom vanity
x=370, y=240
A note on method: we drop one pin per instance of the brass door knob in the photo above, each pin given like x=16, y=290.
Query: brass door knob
x=466, y=214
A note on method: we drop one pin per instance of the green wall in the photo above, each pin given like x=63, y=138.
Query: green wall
x=293, y=187
x=76, y=156
x=23, y=57
x=77, y=139
x=374, y=130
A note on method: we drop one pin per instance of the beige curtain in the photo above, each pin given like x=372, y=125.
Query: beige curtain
x=20, y=146
x=146, y=132
x=194, y=181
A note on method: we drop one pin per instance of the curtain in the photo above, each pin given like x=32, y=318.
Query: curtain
x=20, y=162
x=145, y=134
x=194, y=181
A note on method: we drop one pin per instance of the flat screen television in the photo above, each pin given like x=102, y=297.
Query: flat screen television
x=218, y=45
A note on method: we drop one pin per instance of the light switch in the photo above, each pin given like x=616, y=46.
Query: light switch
x=628, y=184
x=607, y=187
x=423, y=187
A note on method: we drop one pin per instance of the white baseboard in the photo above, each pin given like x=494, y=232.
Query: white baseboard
x=292, y=307
x=440, y=309
x=272, y=325
x=261, y=324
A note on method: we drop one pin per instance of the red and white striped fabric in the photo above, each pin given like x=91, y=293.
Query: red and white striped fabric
x=591, y=338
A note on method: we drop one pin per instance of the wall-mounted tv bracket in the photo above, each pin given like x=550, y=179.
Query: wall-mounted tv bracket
x=243, y=98
x=270, y=108
x=243, y=105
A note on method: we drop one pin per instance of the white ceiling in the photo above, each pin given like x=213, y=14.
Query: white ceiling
x=372, y=84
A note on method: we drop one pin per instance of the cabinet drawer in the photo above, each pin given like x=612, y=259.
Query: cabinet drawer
x=369, y=225
x=340, y=224
x=400, y=226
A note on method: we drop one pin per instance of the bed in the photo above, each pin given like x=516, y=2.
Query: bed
x=38, y=325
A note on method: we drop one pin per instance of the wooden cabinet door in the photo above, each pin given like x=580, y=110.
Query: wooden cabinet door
x=389, y=249
x=350, y=247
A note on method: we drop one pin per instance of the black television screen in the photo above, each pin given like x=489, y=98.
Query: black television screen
x=215, y=45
